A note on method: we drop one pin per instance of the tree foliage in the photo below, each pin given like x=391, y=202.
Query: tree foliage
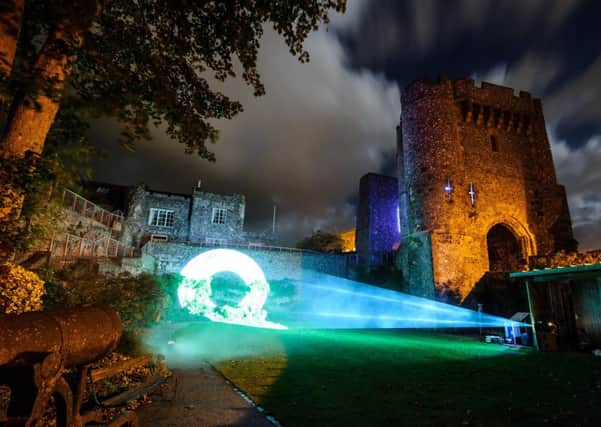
x=322, y=242
x=27, y=223
x=20, y=290
x=142, y=63
x=149, y=61
x=565, y=259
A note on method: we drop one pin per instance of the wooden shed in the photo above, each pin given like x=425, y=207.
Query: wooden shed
x=565, y=304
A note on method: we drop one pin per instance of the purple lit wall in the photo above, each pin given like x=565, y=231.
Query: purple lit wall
x=378, y=229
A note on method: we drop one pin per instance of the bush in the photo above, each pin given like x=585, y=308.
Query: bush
x=173, y=311
x=139, y=300
x=27, y=221
x=565, y=259
x=20, y=290
x=322, y=242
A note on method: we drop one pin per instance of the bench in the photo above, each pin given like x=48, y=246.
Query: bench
x=127, y=417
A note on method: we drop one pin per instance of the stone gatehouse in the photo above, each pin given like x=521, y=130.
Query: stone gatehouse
x=477, y=176
x=477, y=189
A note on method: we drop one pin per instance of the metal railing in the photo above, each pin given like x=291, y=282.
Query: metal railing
x=88, y=209
x=70, y=245
x=248, y=245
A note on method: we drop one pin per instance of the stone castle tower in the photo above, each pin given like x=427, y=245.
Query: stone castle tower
x=477, y=185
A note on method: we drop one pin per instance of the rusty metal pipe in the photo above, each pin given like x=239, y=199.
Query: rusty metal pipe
x=81, y=335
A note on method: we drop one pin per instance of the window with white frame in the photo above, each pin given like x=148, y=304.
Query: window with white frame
x=219, y=215
x=161, y=217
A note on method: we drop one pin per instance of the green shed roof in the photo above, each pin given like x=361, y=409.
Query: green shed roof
x=559, y=273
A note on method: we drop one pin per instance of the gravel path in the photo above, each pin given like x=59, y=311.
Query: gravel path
x=200, y=397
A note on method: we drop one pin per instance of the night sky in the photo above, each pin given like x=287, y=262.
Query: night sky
x=322, y=125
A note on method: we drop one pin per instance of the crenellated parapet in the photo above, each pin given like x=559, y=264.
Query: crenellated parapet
x=500, y=97
x=488, y=105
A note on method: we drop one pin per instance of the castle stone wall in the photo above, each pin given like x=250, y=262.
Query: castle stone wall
x=414, y=259
x=456, y=137
x=137, y=227
x=277, y=265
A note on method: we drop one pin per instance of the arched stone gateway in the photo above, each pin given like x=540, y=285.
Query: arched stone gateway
x=508, y=245
x=504, y=251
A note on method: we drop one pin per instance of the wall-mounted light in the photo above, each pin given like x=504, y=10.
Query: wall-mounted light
x=448, y=188
x=472, y=194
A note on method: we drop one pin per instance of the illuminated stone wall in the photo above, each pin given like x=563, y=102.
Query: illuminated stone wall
x=455, y=136
x=193, y=218
x=201, y=224
x=277, y=265
x=377, y=218
x=137, y=227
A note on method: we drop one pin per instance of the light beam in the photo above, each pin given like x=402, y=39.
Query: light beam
x=325, y=301
x=317, y=300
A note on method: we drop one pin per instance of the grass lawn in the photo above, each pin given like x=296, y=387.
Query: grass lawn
x=399, y=378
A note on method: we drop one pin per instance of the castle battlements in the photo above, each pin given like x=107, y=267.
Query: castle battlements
x=488, y=105
x=467, y=90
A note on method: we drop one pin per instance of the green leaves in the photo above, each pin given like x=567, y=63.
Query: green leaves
x=148, y=61
x=322, y=242
x=142, y=62
x=24, y=225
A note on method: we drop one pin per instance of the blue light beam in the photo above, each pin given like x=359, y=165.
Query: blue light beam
x=317, y=300
x=325, y=301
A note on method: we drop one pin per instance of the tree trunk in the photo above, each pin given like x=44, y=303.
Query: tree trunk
x=32, y=114
x=11, y=14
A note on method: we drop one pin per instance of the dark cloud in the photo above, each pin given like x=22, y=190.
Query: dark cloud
x=579, y=169
x=549, y=48
x=454, y=37
x=578, y=99
x=303, y=146
x=577, y=154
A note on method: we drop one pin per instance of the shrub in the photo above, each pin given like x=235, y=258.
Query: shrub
x=27, y=221
x=322, y=242
x=20, y=290
x=138, y=299
x=565, y=259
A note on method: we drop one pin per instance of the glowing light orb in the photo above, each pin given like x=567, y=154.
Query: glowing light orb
x=195, y=291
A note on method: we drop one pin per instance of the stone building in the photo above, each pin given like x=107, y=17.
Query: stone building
x=201, y=217
x=377, y=219
x=477, y=184
x=117, y=228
